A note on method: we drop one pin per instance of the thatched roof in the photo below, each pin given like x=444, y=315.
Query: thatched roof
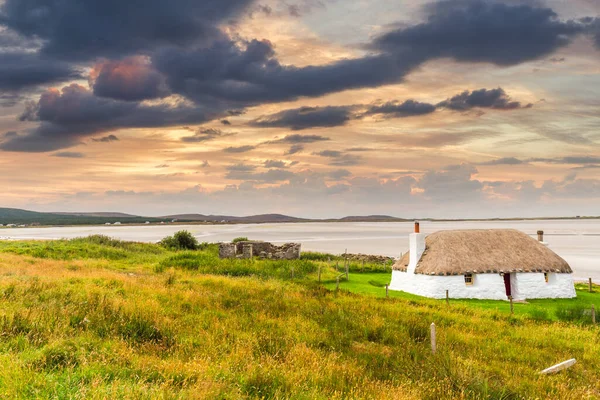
x=484, y=251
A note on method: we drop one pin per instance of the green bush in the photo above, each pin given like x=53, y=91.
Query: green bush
x=239, y=239
x=182, y=240
x=574, y=313
x=538, y=314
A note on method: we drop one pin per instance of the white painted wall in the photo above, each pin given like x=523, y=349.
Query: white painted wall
x=485, y=286
x=534, y=286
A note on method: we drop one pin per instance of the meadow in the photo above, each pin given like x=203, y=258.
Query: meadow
x=99, y=318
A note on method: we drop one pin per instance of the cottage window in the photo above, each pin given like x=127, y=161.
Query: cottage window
x=468, y=279
x=546, y=277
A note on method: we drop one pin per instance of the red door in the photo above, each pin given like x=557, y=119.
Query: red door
x=507, y=284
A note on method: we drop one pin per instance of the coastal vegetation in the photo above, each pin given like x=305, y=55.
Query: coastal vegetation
x=97, y=317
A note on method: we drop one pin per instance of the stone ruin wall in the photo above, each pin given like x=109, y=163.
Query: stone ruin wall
x=249, y=249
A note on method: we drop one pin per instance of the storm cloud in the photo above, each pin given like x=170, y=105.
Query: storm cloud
x=307, y=117
x=396, y=109
x=482, y=98
x=203, y=135
x=132, y=79
x=70, y=29
x=20, y=70
x=483, y=31
x=68, y=115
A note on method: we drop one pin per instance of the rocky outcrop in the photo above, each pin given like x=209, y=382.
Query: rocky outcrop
x=249, y=249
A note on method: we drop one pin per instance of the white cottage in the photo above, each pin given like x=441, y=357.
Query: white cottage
x=482, y=264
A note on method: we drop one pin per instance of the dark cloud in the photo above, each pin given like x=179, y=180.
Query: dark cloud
x=505, y=161
x=313, y=117
x=9, y=134
x=276, y=164
x=482, y=98
x=162, y=166
x=106, y=139
x=339, y=174
x=10, y=99
x=359, y=149
x=569, y=160
x=396, y=109
x=249, y=73
x=306, y=117
x=160, y=48
x=67, y=116
x=225, y=122
x=296, y=148
x=69, y=154
x=329, y=153
x=483, y=31
x=339, y=158
x=300, y=139
x=202, y=135
x=108, y=28
x=20, y=71
x=239, y=149
x=294, y=11
x=241, y=168
x=131, y=79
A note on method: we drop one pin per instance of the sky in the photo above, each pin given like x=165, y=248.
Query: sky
x=311, y=108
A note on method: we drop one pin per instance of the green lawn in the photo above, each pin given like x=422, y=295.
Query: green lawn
x=373, y=284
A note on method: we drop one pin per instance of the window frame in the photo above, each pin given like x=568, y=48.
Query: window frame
x=547, y=277
x=469, y=279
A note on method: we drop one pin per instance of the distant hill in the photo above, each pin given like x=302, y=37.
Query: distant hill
x=24, y=217
x=99, y=214
x=253, y=219
x=372, y=218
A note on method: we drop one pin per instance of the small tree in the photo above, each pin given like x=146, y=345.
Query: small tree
x=182, y=240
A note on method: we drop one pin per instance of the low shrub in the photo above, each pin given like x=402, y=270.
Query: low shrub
x=239, y=239
x=181, y=240
x=574, y=313
x=538, y=314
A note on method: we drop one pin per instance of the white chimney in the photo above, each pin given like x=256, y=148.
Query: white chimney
x=417, y=247
x=540, y=235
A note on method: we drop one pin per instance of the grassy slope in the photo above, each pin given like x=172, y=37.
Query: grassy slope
x=97, y=319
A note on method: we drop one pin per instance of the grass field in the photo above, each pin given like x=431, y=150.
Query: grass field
x=97, y=318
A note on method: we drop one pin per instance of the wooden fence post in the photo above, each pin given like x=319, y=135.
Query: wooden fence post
x=593, y=314
x=433, y=338
x=337, y=284
x=347, y=270
x=447, y=298
x=590, y=283
x=387, y=291
x=512, y=310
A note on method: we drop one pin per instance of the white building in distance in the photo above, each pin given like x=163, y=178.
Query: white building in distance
x=482, y=264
